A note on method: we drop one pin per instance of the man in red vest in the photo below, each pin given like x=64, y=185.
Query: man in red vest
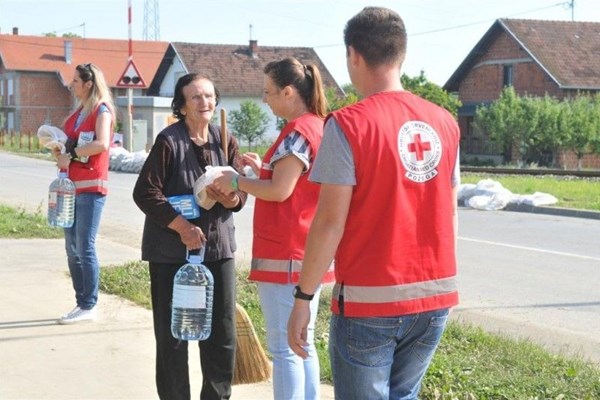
x=388, y=169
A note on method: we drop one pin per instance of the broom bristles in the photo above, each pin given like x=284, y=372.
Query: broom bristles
x=251, y=362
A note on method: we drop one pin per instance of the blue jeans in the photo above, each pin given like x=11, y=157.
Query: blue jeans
x=293, y=377
x=80, y=243
x=383, y=357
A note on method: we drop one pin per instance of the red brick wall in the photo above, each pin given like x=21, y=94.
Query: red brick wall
x=42, y=98
x=484, y=82
x=568, y=160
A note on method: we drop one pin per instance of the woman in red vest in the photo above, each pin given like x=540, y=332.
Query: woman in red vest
x=89, y=130
x=285, y=206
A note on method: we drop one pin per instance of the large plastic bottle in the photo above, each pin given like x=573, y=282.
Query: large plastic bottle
x=61, y=201
x=192, y=307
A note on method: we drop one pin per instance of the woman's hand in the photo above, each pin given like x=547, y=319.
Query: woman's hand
x=222, y=184
x=229, y=200
x=63, y=161
x=191, y=235
x=252, y=160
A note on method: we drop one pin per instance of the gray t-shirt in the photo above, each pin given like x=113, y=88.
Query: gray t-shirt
x=335, y=163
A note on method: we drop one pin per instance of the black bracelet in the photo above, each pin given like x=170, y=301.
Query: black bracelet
x=73, y=154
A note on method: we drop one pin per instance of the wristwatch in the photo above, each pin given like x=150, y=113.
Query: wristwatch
x=299, y=294
x=73, y=154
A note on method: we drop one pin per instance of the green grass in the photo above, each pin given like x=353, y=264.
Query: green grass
x=19, y=224
x=469, y=364
x=580, y=193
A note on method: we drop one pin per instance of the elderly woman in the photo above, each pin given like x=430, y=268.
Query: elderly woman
x=182, y=152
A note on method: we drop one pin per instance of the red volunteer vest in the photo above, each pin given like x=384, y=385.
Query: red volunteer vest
x=397, y=253
x=93, y=175
x=280, y=228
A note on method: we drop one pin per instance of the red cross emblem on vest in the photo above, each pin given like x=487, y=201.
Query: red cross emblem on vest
x=419, y=147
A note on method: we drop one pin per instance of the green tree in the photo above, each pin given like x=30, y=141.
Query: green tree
x=547, y=137
x=249, y=122
x=335, y=102
x=582, y=123
x=505, y=121
x=422, y=87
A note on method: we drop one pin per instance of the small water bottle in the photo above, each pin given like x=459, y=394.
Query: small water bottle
x=61, y=201
x=192, y=307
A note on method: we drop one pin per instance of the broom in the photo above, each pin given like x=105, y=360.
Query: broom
x=251, y=362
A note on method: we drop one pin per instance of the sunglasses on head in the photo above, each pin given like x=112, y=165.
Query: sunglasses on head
x=88, y=67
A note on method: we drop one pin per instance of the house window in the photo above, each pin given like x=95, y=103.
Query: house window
x=508, y=75
x=10, y=123
x=10, y=91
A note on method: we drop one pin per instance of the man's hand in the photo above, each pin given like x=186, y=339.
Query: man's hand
x=298, y=326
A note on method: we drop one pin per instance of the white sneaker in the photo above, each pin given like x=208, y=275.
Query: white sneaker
x=78, y=315
x=70, y=312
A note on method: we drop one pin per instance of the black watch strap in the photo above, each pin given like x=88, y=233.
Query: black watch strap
x=299, y=294
x=73, y=154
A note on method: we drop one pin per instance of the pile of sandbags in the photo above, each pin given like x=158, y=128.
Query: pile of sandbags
x=488, y=194
x=124, y=161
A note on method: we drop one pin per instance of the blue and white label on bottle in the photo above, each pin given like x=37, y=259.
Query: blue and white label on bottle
x=185, y=296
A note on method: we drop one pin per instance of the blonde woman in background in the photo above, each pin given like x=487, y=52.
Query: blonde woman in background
x=89, y=129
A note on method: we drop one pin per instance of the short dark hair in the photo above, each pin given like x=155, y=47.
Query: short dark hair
x=178, y=97
x=378, y=35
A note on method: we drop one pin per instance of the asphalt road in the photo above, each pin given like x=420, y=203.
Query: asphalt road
x=526, y=275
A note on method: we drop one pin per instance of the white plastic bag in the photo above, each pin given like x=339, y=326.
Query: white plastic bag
x=203, y=181
x=537, y=199
x=52, y=137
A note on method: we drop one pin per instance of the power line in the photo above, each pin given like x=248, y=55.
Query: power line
x=72, y=27
x=570, y=3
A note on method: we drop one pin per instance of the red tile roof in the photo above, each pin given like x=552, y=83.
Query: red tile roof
x=41, y=53
x=238, y=72
x=568, y=51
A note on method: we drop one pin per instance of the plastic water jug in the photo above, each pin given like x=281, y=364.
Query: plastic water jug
x=61, y=201
x=192, y=307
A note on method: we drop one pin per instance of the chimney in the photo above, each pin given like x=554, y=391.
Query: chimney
x=15, y=30
x=253, y=48
x=68, y=51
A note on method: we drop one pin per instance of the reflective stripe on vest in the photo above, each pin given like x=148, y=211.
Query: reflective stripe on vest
x=286, y=266
x=391, y=294
x=282, y=271
x=91, y=183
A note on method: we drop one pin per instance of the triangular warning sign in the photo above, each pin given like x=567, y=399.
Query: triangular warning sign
x=131, y=77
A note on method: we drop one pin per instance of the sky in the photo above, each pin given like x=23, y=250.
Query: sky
x=441, y=33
